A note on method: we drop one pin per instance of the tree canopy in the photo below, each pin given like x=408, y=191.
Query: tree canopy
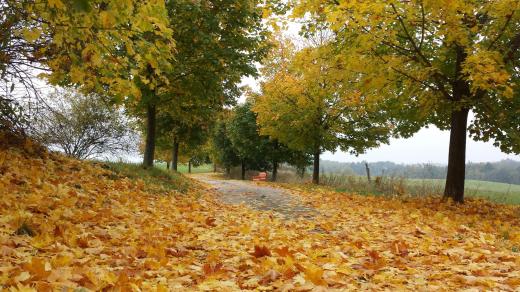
x=444, y=58
x=310, y=105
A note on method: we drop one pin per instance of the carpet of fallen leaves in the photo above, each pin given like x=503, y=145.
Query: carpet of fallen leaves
x=65, y=223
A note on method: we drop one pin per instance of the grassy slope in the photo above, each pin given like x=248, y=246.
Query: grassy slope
x=166, y=180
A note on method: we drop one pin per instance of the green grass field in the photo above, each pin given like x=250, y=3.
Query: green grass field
x=497, y=192
x=183, y=168
x=166, y=180
x=494, y=191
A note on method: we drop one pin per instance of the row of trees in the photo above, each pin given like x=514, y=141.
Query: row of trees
x=505, y=171
x=389, y=68
x=236, y=141
x=370, y=70
x=173, y=65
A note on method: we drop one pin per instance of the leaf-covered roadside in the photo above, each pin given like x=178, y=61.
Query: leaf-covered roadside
x=66, y=223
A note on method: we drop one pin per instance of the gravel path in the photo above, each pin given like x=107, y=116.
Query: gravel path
x=258, y=197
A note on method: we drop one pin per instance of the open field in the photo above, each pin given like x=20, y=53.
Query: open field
x=183, y=168
x=494, y=191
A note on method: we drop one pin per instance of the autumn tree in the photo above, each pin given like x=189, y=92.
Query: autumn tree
x=309, y=105
x=94, y=44
x=445, y=58
x=215, y=46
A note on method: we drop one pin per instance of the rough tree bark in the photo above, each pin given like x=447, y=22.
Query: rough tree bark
x=275, y=160
x=457, y=156
x=459, y=121
x=149, y=150
x=175, y=154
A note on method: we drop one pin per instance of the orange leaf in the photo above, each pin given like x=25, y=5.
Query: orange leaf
x=37, y=269
x=315, y=275
x=284, y=252
x=212, y=268
x=400, y=248
x=269, y=277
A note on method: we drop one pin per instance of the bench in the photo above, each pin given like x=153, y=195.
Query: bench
x=262, y=176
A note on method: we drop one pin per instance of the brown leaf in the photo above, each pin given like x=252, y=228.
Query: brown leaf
x=211, y=222
x=212, y=268
x=399, y=248
x=261, y=251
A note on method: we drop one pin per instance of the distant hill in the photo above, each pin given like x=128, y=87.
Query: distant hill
x=505, y=171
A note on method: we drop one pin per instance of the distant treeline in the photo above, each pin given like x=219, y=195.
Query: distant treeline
x=506, y=171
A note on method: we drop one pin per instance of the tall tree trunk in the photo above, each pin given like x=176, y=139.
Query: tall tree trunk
x=175, y=154
x=214, y=167
x=228, y=170
x=243, y=170
x=189, y=166
x=459, y=120
x=149, y=149
x=275, y=170
x=167, y=165
x=316, y=167
x=457, y=156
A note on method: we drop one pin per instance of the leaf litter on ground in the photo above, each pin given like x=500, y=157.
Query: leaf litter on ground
x=71, y=224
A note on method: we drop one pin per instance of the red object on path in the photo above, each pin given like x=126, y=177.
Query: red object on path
x=260, y=177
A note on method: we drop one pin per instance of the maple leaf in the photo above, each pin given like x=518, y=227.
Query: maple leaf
x=176, y=252
x=284, y=251
x=375, y=261
x=315, y=275
x=261, y=251
x=38, y=268
x=212, y=269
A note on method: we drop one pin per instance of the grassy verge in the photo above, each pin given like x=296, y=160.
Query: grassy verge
x=183, y=168
x=493, y=191
x=161, y=179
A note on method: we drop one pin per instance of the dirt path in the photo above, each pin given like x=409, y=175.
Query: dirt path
x=258, y=197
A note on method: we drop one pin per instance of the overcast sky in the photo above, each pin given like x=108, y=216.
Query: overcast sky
x=427, y=145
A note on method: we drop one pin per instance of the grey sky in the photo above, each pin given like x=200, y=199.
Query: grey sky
x=427, y=145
